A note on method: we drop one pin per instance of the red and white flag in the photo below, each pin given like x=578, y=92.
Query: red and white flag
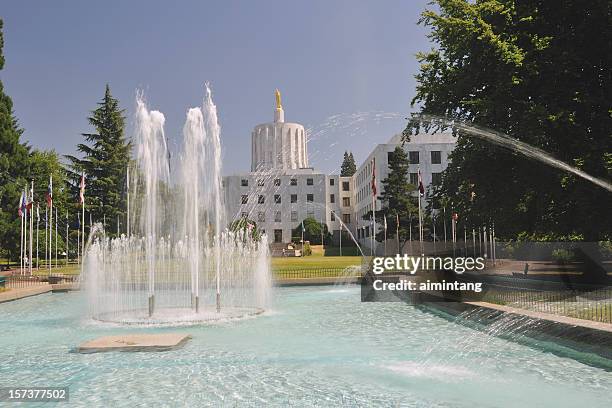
x=82, y=189
x=373, y=177
x=421, y=188
x=49, y=193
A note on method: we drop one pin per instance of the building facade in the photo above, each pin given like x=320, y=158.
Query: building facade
x=281, y=189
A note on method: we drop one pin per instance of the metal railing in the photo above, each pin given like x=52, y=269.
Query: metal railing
x=582, y=302
x=18, y=281
x=315, y=273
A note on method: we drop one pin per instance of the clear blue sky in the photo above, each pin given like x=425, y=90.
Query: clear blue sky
x=326, y=57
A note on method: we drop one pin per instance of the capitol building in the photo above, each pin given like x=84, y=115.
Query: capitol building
x=282, y=189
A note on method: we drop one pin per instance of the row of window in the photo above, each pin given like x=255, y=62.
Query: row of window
x=261, y=199
x=261, y=216
x=294, y=182
x=414, y=157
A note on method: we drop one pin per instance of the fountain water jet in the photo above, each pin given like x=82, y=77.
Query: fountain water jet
x=180, y=260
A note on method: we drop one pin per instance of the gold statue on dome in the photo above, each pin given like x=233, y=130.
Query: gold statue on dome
x=279, y=105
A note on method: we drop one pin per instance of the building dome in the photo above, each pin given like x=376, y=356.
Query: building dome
x=278, y=144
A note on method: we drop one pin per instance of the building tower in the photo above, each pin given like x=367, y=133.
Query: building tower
x=278, y=145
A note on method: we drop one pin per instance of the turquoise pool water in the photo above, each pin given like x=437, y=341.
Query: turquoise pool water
x=320, y=346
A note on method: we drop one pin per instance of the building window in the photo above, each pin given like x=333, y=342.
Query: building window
x=389, y=157
x=244, y=199
x=436, y=178
x=436, y=157
x=243, y=215
x=277, y=182
x=293, y=198
x=294, y=216
x=346, y=218
x=346, y=201
x=278, y=235
x=261, y=199
x=332, y=216
x=413, y=157
x=260, y=182
x=261, y=216
x=332, y=198
x=345, y=186
x=309, y=198
x=414, y=178
x=309, y=182
x=244, y=182
x=332, y=182
x=277, y=199
x=277, y=216
x=293, y=182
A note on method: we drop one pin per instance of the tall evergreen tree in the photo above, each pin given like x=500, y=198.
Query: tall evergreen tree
x=540, y=72
x=348, y=165
x=105, y=159
x=14, y=163
x=397, y=198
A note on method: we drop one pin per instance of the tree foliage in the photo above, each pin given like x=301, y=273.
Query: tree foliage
x=397, y=199
x=540, y=72
x=14, y=166
x=348, y=165
x=106, y=156
x=312, y=231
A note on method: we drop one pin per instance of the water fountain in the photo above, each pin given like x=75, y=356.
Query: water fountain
x=180, y=264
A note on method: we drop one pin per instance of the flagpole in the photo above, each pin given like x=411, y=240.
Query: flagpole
x=21, y=241
x=79, y=240
x=31, y=223
x=420, y=225
x=433, y=221
x=67, y=257
x=444, y=217
x=46, y=230
x=374, y=205
x=341, y=238
x=410, y=232
x=385, y=234
x=302, y=238
x=128, y=203
x=397, y=233
x=50, y=222
x=37, y=228
x=25, y=233
x=83, y=222
x=56, y=218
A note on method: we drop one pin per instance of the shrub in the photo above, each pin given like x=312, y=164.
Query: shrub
x=562, y=256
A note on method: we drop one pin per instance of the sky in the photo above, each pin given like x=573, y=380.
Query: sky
x=345, y=68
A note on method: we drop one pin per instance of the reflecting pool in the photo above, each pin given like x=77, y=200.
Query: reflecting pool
x=318, y=346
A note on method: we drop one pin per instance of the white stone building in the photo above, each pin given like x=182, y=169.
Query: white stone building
x=281, y=190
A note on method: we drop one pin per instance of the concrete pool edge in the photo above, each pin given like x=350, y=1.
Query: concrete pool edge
x=583, y=337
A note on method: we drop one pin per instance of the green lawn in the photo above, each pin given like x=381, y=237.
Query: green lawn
x=315, y=262
x=72, y=269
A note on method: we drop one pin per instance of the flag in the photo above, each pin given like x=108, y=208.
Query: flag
x=37, y=213
x=21, y=205
x=303, y=229
x=385, y=221
x=373, y=177
x=397, y=219
x=49, y=193
x=29, y=201
x=78, y=221
x=421, y=188
x=82, y=189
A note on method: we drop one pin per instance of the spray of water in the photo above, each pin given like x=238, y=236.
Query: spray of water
x=180, y=261
x=507, y=142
